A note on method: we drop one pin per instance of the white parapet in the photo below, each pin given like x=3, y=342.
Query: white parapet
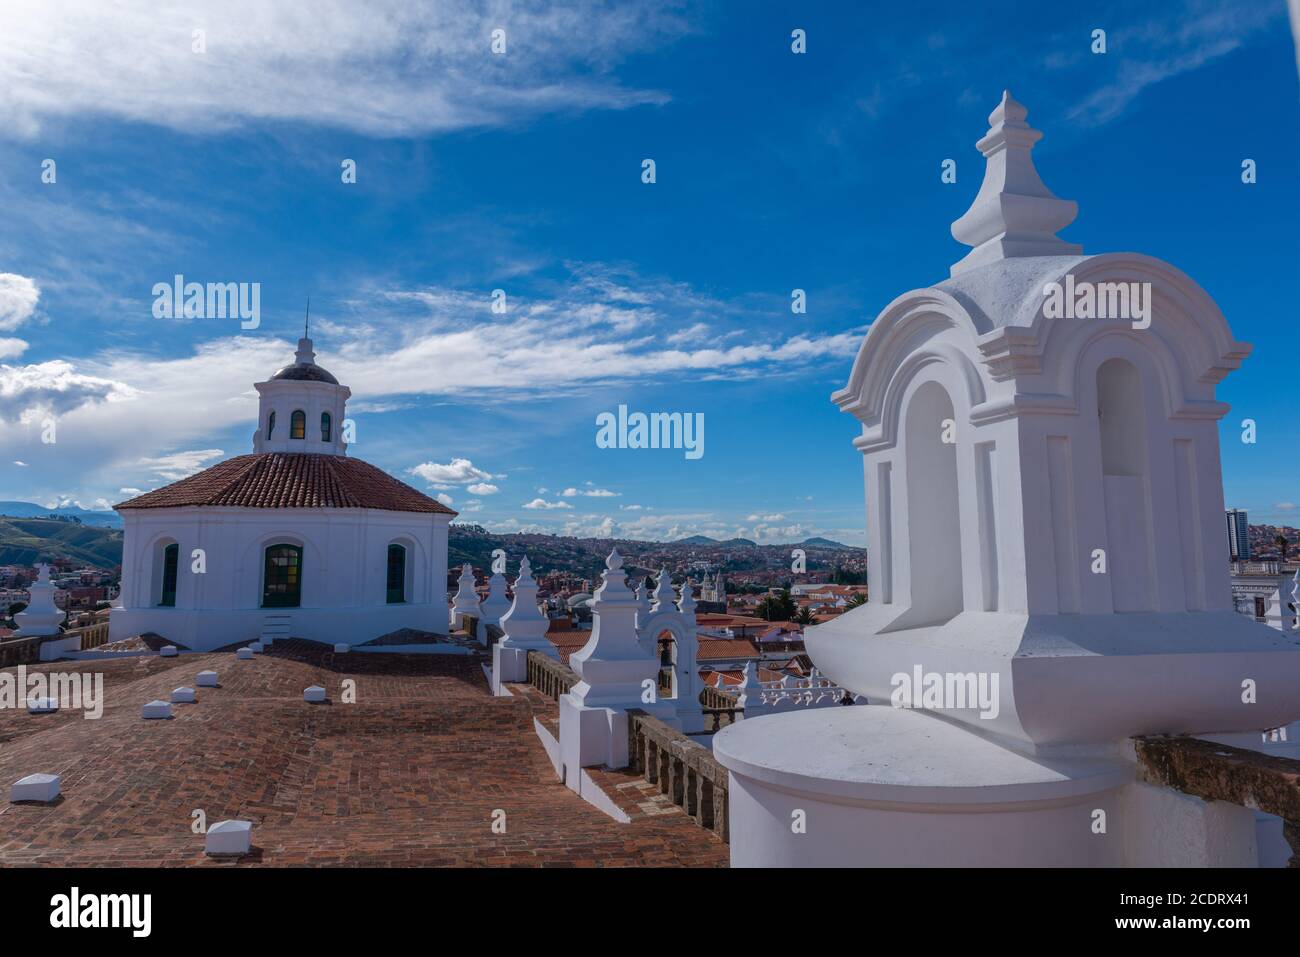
x=168, y=651
x=183, y=695
x=207, y=679
x=35, y=787
x=314, y=694
x=229, y=839
x=256, y=647
x=267, y=640
x=342, y=649
x=244, y=654
x=156, y=709
x=806, y=792
x=42, y=705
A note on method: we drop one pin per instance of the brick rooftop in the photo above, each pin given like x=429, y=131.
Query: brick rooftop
x=409, y=775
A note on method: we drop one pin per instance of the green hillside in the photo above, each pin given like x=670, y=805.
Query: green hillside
x=24, y=541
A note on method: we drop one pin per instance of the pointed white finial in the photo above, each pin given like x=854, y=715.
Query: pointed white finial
x=1014, y=214
x=615, y=561
x=305, y=355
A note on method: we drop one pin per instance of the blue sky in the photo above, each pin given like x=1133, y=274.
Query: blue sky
x=522, y=172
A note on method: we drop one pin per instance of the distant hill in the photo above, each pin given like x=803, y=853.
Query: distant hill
x=108, y=519
x=697, y=540
x=24, y=541
x=822, y=543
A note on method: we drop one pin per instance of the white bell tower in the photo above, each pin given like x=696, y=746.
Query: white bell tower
x=301, y=408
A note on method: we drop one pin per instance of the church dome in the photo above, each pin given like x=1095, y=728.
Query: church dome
x=305, y=372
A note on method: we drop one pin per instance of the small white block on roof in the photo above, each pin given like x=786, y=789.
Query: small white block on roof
x=35, y=787
x=182, y=695
x=243, y=654
x=314, y=693
x=42, y=705
x=157, y=709
x=169, y=651
x=207, y=679
x=340, y=648
x=257, y=647
x=229, y=837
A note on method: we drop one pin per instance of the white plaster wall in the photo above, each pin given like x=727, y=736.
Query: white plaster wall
x=344, y=573
x=286, y=395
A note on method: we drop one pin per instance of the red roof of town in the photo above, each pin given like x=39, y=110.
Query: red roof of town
x=290, y=480
x=711, y=649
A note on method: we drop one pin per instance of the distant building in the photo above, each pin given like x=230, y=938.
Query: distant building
x=1238, y=535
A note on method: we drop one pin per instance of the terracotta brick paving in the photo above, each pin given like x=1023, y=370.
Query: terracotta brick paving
x=408, y=775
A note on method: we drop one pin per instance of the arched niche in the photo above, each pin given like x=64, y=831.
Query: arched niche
x=934, y=549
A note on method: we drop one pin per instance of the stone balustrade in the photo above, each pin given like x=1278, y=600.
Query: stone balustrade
x=683, y=770
x=712, y=698
x=92, y=636
x=1220, y=772
x=549, y=676
x=20, y=651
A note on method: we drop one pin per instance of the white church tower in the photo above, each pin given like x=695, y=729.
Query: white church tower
x=1046, y=557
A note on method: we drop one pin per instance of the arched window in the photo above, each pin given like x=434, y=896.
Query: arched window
x=282, y=579
x=324, y=426
x=298, y=424
x=396, y=574
x=270, y=424
x=171, y=556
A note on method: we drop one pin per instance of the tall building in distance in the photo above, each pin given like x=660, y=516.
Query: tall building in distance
x=1238, y=535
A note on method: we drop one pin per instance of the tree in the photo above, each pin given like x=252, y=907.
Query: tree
x=858, y=599
x=804, y=616
x=1281, y=544
x=778, y=607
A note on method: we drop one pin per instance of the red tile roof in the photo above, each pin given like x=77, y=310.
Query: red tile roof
x=290, y=480
x=711, y=649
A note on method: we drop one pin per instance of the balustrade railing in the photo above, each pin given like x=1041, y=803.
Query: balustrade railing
x=549, y=676
x=686, y=772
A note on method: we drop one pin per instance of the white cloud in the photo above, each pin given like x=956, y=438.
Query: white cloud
x=127, y=490
x=18, y=298
x=12, y=348
x=444, y=498
x=590, y=492
x=179, y=465
x=17, y=462
x=52, y=387
x=765, y=518
x=541, y=503
x=1284, y=506
x=482, y=488
x=384, y=68
x=455, y=472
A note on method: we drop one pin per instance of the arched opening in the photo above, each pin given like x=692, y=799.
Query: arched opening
x=667, y=648
x=396, y=574
x=325, y=427
x=1121, y=422
x=298, y=424
x=282, y=577
x=270, y=424
x=933, y=510
x=167, y=582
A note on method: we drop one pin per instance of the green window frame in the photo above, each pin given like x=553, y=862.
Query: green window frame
x=171, y=559
x=325, y=426
x=396, y=574
x=282, y=577
x=298, y=424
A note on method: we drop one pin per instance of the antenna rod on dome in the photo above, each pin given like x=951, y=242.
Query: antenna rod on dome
x=306, y=319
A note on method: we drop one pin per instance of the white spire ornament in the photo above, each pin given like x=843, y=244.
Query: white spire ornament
x=525, y=630
x=466, y=600
x=1014, y=214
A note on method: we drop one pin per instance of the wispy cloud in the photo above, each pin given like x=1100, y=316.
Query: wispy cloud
x=1162, y=47
x=384, y=68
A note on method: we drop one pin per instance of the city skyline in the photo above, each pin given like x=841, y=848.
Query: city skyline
x=522, y=172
